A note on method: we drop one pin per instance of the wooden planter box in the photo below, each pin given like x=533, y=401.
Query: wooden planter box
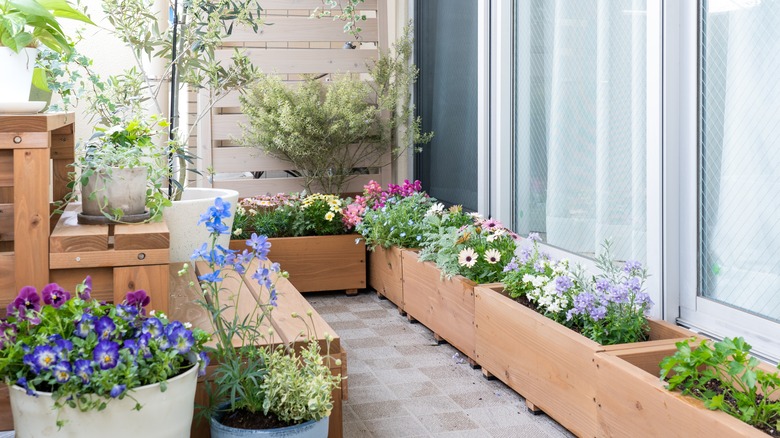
x=319, y=263
x=630, y=397
x=551, y=366
x=444, y=306
x=386, y=273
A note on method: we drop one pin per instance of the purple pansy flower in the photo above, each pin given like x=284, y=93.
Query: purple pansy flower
x=85, y=325
x=138, y=299
x=153, y=327
x=83, y=369
x=105, y=327
x=27, y=387
x=54, y=295
x=62, y=347
x=106, y=354
x=84, y=290
x=204, y=362
x=27, y=300
x=62, y=372
x=118, y=390
x=182, y=340
x=44, y=357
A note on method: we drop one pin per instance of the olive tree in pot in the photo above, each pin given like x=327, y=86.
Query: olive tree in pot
x=23, y=25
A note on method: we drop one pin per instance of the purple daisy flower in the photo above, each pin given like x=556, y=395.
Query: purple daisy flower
x=106, y=354
x=105, y=327
x=54, y=295
x=83, y=369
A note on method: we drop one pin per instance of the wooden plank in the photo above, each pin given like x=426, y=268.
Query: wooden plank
x=98, y=259
x=385, y=270
x=62, y=144
x=153, y=279
x=243, y=159
x=31, y=216
x=306, y=60
x=8, y=289
x=302, y=29
x=6, y=168
x=24, y=140
x=184, y=292
x=35, y=122
x=6, y=418
x=6, y=222
x=6, y=194
x=310, y=4
x=152, y=235
x=445, y=306
x=102, y=280
x=253, y=187
x=60, y=178
x=69, y=236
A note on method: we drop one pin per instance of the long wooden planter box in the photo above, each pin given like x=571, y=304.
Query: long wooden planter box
x=319, y=263
x=386, y=273
x=446, y=306
x=630, y=397
x=551, y=366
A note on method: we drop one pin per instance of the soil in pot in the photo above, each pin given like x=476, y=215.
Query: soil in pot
x=245, y=419
x=717, y=387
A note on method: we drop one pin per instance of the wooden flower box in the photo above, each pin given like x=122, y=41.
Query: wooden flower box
x=445, y=306
x=630, y=397
x=551, y=366
x=386, y=274
x=320, y=263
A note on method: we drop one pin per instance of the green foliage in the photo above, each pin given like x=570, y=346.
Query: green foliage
x=328, y=130
x=290, y=216
x=23, y=22
x=348, y=13
x=297, y=387
x=725, y=377
x=400, y=222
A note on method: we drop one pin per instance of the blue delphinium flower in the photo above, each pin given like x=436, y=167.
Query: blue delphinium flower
x=260, y=245
x=44, y=357
x=201, y=253
x=106, y=354
x=213, y=217
x=211, y=277
x=62, y=372
x=105, y=327
x=117, y=390
x=83, y=369
x=85, y=325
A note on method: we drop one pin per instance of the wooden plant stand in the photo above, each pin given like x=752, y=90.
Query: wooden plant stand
x=120, y=258
x=35, y=151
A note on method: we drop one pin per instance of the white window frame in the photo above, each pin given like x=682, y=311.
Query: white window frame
x=705, y=315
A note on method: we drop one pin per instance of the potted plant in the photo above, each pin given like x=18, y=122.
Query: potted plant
x=120, y=176
x=390, y=221
x=24, y=24
x=327, y=130
x=310, y=236
x=539, y=332
x=79, y=367
x=459, y=251
x=283, y=389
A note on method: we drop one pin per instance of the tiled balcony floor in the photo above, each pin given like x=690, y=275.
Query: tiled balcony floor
x=401, y=384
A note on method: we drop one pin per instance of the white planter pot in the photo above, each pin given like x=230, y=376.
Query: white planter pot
x=183, y=216
x=309, y=429
x=16, y=71
x=124, y=189
x=164, y=414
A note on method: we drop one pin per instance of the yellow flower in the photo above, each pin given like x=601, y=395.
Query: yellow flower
x=329, y=216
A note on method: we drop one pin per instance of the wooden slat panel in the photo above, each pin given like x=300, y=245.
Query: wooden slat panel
x=26, y=140
x=60, y=178
x=6, y=222
x=7, y=286
x=102, y=280
x=141, y=236
x=6, y=194
x=243, y=159
x=152, y=279
x=6, y=168
x=310, y=4
x=31, y=216
x=35, y=122
x=69, y=236
x=284, y=29
x=254, y=187
x=90, y=259
x=306, y=60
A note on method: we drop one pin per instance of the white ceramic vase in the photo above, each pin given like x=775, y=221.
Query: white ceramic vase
x=164, y=414
x=182, y=219
x=16, y=71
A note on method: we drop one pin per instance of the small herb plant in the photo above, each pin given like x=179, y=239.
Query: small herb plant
x=25, y=22
x=395, y=218
x=608, y=308
x=727, y=378
x=463, y=243
x=86, y=352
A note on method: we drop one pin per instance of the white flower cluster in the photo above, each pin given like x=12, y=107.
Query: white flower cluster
x=436, y=209
x=547, y=294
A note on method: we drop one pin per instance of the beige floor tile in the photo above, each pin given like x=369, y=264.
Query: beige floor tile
x=377, y=410
x=399, y=427
x=447, y=422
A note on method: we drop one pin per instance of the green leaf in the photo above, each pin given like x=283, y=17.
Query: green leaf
x=39, y=79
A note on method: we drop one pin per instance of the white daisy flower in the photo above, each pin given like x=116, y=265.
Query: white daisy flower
x=467, y=258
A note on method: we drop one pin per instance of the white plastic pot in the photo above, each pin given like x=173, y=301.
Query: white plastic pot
x=16, y=71
x=164, y=414
x=182, y=219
